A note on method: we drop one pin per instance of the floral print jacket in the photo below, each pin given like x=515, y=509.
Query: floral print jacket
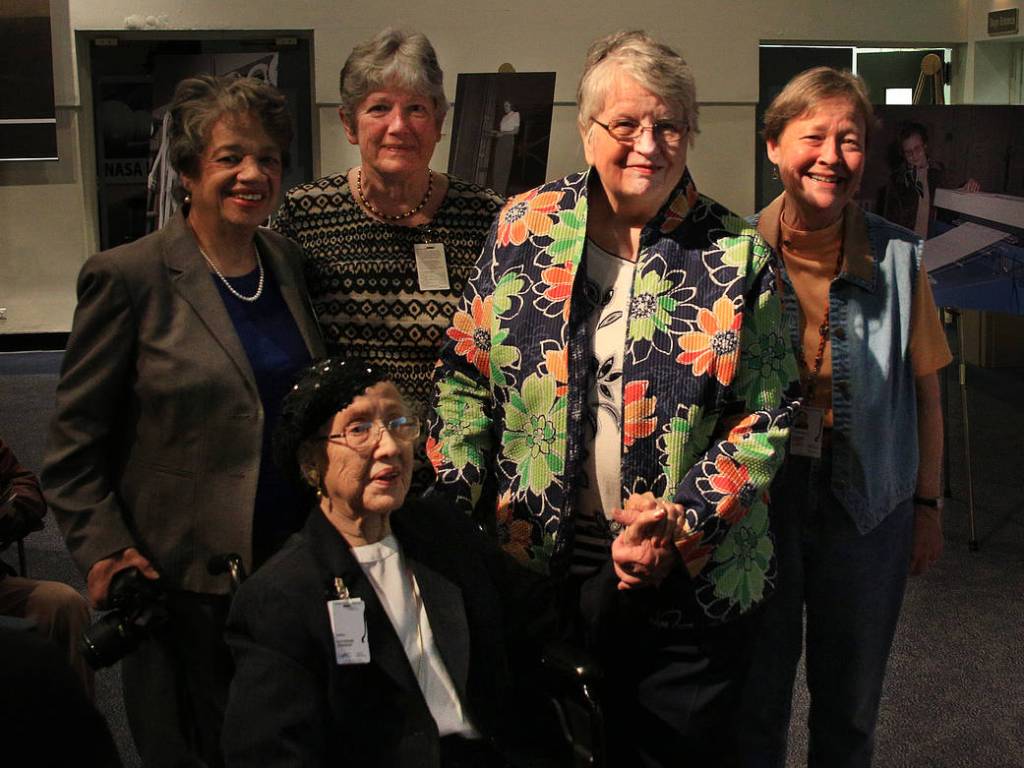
x=707, y=385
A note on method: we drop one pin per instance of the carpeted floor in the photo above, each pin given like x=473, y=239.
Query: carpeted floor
x=955, y=691
x=954, y=695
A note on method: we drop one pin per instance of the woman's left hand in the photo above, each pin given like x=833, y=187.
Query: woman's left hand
x=644, y=553
x=927, y=547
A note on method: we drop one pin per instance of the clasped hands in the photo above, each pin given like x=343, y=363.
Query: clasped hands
x=644, y=552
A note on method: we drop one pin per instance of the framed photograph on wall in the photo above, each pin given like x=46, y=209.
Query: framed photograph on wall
x=501, y=129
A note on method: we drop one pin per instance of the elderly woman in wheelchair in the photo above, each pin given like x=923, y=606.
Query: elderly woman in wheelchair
x=388, y=631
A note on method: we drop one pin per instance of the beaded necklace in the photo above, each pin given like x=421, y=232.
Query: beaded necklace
x=810, y=377
x=397, y=217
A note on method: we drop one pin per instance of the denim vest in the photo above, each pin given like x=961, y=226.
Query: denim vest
x=874, y=401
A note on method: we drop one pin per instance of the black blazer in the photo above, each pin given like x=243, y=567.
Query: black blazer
x=291, y=704
x=158, y=430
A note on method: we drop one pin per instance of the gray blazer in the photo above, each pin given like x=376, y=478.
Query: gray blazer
x=156, y=439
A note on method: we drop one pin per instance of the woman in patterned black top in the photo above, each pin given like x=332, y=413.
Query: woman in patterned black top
x=390, y=243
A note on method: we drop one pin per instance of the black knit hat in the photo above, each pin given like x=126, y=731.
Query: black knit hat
x=322, y=390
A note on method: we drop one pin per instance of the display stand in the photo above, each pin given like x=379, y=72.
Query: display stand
x=972, y=536
x=990, y=222
x=931, y=70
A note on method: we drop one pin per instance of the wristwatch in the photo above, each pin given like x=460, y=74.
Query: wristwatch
x=925, y=501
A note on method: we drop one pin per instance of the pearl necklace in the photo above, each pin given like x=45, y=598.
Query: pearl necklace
x=398, y=217
x=229, y=286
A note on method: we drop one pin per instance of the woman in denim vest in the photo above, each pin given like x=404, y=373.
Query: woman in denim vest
x=857, y=505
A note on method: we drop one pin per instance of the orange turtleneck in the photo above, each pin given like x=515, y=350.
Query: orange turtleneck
x=810, y=259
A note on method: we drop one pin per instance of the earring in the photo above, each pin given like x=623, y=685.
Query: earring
x=775, y=173
x=313, y=478
x=187, y=199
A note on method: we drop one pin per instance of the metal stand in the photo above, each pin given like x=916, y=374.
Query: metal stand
x=947, y=488
x=931, y=72
x=972, y=541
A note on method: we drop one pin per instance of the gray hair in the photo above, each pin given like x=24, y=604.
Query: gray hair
x=392, y=58
x=201, y=101
x=654, y=65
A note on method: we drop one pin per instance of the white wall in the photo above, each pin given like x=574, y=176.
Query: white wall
x=47, y=224
x=992, y=62
x=989, y=60
x=47, y=216
x=977, y=19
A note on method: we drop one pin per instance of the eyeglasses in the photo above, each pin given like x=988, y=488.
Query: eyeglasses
x=364, y=435
x=668, y=132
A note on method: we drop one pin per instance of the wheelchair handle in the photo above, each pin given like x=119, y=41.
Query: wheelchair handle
x=231, y=564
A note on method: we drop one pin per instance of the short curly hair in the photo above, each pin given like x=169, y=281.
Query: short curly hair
x=201, y=101
x=655, y=66
x=392, y=58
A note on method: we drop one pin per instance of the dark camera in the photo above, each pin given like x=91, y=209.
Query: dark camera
x=137, y=606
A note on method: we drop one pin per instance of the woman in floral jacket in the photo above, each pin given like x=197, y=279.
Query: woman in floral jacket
x=620, y=346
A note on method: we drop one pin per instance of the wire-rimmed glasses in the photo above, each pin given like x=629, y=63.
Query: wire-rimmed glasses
x=364, y=435
x=669, y=132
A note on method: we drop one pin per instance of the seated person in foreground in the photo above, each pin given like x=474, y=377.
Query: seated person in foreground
x=381, y=634
x=48, y=719
x=59, y=613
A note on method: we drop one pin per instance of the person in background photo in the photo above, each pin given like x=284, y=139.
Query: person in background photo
x=614, y=403
x=390, y=243
x=183, y=344
x=504, y=147
x=422, y=673
x=910, y=193
x=856, y=506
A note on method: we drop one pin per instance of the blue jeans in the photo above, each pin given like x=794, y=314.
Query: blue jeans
x=852, y=588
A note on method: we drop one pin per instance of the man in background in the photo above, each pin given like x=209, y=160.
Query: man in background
x=911, y=187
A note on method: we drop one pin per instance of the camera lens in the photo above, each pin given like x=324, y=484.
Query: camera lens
x=109, y=640
x=137, y=604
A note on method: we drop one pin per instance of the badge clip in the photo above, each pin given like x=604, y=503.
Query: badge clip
x=340, y=590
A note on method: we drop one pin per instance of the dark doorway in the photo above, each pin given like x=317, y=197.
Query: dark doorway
x=896, y=69
x=28, y=123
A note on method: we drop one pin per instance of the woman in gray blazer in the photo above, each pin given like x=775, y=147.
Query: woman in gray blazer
x=182, y=346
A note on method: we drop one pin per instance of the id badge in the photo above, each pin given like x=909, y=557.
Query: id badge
x=348, y=625
x=431, y=266
x=806, y=432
